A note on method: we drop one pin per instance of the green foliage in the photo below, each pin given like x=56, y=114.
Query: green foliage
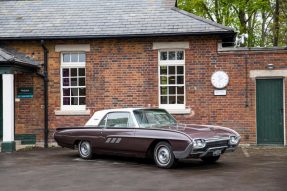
x=252, y=17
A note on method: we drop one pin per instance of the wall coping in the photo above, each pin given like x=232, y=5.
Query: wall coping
x=246, y=49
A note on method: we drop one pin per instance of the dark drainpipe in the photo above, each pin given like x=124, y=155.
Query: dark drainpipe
x=45, y=76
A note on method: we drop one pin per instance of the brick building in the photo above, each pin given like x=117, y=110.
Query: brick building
x=132, y=53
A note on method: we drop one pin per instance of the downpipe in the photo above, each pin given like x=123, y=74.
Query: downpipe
x=45, y=78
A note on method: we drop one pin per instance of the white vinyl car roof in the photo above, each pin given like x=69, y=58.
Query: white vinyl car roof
x=97, y=117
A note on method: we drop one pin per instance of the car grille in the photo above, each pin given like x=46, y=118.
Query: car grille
x=212, y=145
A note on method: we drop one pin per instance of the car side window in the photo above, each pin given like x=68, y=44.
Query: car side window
x=103, y=122
x=118, y=120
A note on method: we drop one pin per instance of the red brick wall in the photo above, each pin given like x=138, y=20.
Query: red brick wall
x=29, y=112
x=124, y=73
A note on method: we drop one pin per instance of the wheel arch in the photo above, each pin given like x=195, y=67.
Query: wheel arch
x=149, y=152
x=76, y=142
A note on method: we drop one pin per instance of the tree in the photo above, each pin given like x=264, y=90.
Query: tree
x=263, y=21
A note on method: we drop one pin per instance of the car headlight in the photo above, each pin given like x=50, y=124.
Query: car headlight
x=233, y=140
x=199, y=143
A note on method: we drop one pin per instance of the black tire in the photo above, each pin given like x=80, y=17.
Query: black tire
x=163, y=155
x=85, y=150
x=210, y=159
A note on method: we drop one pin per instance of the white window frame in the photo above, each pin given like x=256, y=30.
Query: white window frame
x=171, y=107
x=71, y=65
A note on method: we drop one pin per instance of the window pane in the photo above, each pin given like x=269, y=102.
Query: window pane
x=66, y=101
x=82, y=57
x=180, y=100
x=163, y=90
x=74, y=57
x=81, y=71
x=66, y=57
x=73, y=71
x=171, y=90
x=163, y=80
x=171, y=70
x=74, y=101
x=179, y=79
x=163, y=70
x=171, y=55
x=103, y=122
x=179, y=55
x=82, y=91
x=131, y=123
x=74, y=92
x=163, y=99
x=81, y=81
x=66, y=72
x=163, y=55
x=74, y=82
x=180, y=70
x=171, y=80
x=171, y=99
x=82, y=101
x=66, y=81
x=66, y=91
x=118, y=120
x=180, y=90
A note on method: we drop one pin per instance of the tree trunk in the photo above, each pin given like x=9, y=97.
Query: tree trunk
x=276, y=24
x=263, y=34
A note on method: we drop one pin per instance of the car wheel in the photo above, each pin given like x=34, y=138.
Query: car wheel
x=210, y=159
x=163, y=155
x=85, y=150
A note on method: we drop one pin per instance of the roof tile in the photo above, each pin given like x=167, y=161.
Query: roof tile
x=97, y=18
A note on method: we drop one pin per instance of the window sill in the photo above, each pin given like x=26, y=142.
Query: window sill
x=179, y=111
x=72, y=112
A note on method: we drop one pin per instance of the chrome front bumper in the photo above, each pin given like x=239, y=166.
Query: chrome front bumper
x=190, y=152
x=223, y=149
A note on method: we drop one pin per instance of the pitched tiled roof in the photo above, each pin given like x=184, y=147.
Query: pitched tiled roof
x=99, y=18
x=11, y=56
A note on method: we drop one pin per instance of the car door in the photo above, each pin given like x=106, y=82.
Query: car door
x=117, y=132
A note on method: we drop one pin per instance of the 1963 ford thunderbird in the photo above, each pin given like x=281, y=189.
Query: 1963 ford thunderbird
x=147, y=133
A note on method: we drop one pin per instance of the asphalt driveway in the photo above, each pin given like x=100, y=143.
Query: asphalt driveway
x=62, y=169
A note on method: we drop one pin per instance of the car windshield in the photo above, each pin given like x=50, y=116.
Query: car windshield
x=153, y=118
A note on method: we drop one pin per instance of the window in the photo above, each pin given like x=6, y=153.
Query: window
x=153, y=118
x=172, y=79
x=117, y=120
x=73, y=81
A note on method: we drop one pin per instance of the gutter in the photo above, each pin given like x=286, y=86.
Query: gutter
x=76, y=37
x=45, y=78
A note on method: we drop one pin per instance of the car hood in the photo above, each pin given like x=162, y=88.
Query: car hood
x=205, y=131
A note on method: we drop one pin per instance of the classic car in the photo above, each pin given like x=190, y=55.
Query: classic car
x=147, y=132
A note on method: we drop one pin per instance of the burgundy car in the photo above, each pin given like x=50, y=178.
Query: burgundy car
x=147, y=133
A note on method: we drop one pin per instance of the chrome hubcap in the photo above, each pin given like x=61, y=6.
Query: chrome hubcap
x=85, y=148
x=163, y=155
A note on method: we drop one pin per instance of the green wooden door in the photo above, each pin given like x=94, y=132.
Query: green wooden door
x=269, y=111
x=1, y=109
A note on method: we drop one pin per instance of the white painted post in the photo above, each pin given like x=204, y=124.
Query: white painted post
x=8, y=144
